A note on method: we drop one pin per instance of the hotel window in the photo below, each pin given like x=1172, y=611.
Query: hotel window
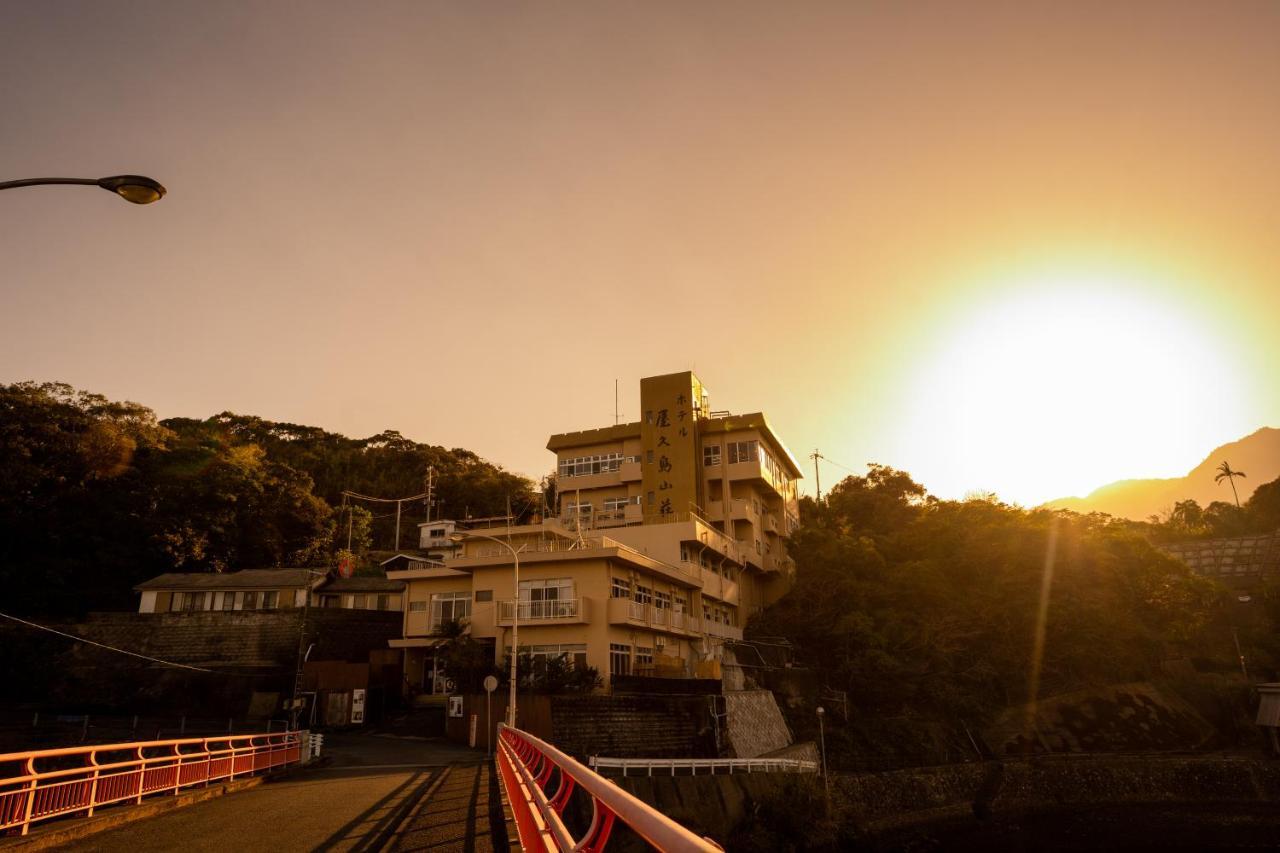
x=414, y=606
x=651, y=498
x=620, y=588
x=484, y=595
x=680, y=602
x=615, y=504
x=187, y=601
x=648, y=456
x=711, y=455
x=438, y=533
x=357, y=603
x=706, y=612
x=251, y=600
x=574, y=654
x=269, y=599
x=384, y=603
x=644, y=656
x=546, y=599
x=743, y=451
x=644, y=594
x=662, y=600
x=228, y=601
x=445, y=607
x=599, y=463
x=619, y=659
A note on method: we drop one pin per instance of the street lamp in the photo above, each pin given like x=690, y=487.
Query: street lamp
x=515, y=614
x=138, y=189
x=822, y=735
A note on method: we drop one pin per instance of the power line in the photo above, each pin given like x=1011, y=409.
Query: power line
x=384, y=500
x=111, y=648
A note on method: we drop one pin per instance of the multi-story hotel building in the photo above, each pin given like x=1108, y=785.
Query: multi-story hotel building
x=667, y=534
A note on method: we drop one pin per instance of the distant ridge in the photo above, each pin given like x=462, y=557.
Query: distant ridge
x=1257, y=454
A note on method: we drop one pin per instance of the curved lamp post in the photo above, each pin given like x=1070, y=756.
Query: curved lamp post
x=138, y=189
x=515, y=614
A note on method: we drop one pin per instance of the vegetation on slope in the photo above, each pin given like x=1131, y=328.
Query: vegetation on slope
x=97, y=496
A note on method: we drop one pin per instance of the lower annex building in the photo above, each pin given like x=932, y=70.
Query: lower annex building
x=666, y=535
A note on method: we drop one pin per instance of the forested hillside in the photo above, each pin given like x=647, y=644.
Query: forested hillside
x=98, y=495
x=926, y=609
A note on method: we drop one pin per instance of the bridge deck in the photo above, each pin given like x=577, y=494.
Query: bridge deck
x=373, y=787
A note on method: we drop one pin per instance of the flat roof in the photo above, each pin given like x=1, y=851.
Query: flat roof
x=561, y=440
x=729, y=423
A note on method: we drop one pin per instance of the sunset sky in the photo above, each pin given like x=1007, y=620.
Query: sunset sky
x=1020, y=247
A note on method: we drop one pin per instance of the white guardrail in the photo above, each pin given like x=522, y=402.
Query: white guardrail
x=703, y=766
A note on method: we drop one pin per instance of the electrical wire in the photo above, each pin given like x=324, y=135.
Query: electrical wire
x=110, y=648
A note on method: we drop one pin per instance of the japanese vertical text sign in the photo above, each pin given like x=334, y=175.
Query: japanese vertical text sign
x=670, y=473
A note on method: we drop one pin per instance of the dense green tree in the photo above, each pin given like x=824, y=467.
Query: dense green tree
x=97, y=496
x=914, y=604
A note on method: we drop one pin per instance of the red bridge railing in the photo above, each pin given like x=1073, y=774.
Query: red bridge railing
x=49, y=783
x=530, y=768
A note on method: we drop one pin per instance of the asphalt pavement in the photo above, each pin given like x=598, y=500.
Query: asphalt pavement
x=355, y=802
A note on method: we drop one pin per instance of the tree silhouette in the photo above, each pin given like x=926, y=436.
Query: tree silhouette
x=1225, y=473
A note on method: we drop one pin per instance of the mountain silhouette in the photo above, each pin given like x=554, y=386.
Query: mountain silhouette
x=1258, y=455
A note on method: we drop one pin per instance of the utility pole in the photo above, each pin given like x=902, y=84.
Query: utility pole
x=431, y=483
x=817, y=482
x=397, y=548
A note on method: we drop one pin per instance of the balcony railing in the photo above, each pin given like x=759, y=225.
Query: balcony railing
x=535, y=611
x=625, y=609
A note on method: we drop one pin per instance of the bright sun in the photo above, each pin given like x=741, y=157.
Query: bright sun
x=1062, y=385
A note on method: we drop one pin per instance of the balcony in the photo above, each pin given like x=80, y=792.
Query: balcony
x=727, y=632
x=559, y=611
x=630, y=472
x=626, y=611
x=778, y=564
x=740, y=509
x=717, y=585
x=771, y=523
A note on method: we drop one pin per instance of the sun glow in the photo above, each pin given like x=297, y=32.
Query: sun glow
x=1059, y=385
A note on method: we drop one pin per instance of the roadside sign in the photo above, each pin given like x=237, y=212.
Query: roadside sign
x=357, y=706
x=490, y=683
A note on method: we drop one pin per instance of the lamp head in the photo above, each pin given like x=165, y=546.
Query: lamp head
x=821, y=711
x=138, y=189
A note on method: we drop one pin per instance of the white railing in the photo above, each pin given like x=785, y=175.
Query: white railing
x=705, y=766
x=530, y=768
x=532, y=611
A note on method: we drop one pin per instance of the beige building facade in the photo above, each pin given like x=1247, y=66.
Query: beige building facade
x=667, y=535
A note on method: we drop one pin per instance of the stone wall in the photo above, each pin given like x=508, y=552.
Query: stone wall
x=881, y=801
x=633, y=726
x=889, y=805
x=248, y=651
x=755, y=725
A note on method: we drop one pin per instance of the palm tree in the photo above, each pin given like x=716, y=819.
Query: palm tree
x=1225, y=473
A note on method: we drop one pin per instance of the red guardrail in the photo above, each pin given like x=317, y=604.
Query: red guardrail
x=54, y=782
x=528, y=766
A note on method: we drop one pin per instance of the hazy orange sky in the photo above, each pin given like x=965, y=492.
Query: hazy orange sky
x=1013, y=246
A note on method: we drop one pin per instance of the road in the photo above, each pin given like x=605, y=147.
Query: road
x=353, y=803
